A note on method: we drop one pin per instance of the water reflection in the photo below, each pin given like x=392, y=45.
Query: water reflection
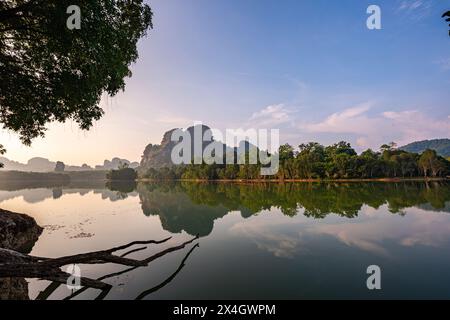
x=37, y=195
x=193, y=207
x=294, y=230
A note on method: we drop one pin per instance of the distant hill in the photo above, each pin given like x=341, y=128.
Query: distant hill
x=38, y=164
x=115, y=163
x=442, y=146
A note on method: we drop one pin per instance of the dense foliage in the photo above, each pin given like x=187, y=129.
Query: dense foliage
x=49, y=72
x=2, y=151
x=60, y=166
x=122, y=174
x=446, y=16
x=315, y=161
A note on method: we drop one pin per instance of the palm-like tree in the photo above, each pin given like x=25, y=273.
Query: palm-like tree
x=447, y=16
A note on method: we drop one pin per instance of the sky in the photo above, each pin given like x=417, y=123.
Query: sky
x=311, y=69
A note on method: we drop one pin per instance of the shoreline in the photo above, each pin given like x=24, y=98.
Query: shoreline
x=417, y=179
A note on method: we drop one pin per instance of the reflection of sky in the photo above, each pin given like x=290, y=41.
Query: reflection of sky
x=287, y=237
x=297, y=251
x=370, y=231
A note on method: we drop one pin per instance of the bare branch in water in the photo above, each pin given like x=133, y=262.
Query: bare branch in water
x=169, y=279
x=151, y=258
x=14, y=264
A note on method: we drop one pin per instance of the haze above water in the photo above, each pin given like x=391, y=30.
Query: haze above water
x=292, y=240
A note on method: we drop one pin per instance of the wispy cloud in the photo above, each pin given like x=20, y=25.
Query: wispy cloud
x=373, y=130
x=271, y=116
x=415, y=9
x=414, y=229
x=444, y=64
x=351, y=120
x=261, y=232
x=411, y=5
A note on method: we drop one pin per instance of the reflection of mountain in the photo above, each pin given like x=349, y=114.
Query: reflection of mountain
x=178, y=212
x=429, y=207
x=193, y=207
x=37, y=195
x=28, y=195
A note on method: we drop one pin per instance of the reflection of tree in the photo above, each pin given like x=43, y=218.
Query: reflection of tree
x=121, y=186
x=57, y=193
x=193, y=207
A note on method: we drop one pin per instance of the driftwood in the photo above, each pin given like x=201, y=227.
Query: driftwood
x=15, y=264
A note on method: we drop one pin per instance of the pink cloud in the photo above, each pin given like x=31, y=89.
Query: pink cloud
x=373, y=130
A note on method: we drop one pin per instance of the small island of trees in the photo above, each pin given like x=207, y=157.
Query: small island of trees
x=123, y=173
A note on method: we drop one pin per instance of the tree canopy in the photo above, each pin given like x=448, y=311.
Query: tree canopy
x=315, y=161
x=51, y=73
x=446, y=16
x=2, y=151
x=123, y=174
x=60, y=166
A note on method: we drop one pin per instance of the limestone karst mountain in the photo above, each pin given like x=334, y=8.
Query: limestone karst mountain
x=159, y=155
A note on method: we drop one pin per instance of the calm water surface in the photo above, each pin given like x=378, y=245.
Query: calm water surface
x=275, y=241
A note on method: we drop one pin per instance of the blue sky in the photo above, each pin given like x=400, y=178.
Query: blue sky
x=310, y=68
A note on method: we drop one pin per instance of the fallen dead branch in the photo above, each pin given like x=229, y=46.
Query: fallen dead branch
x=15, y=264
x=149, y=259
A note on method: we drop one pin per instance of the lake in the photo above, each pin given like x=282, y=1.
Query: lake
x=257, y=241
